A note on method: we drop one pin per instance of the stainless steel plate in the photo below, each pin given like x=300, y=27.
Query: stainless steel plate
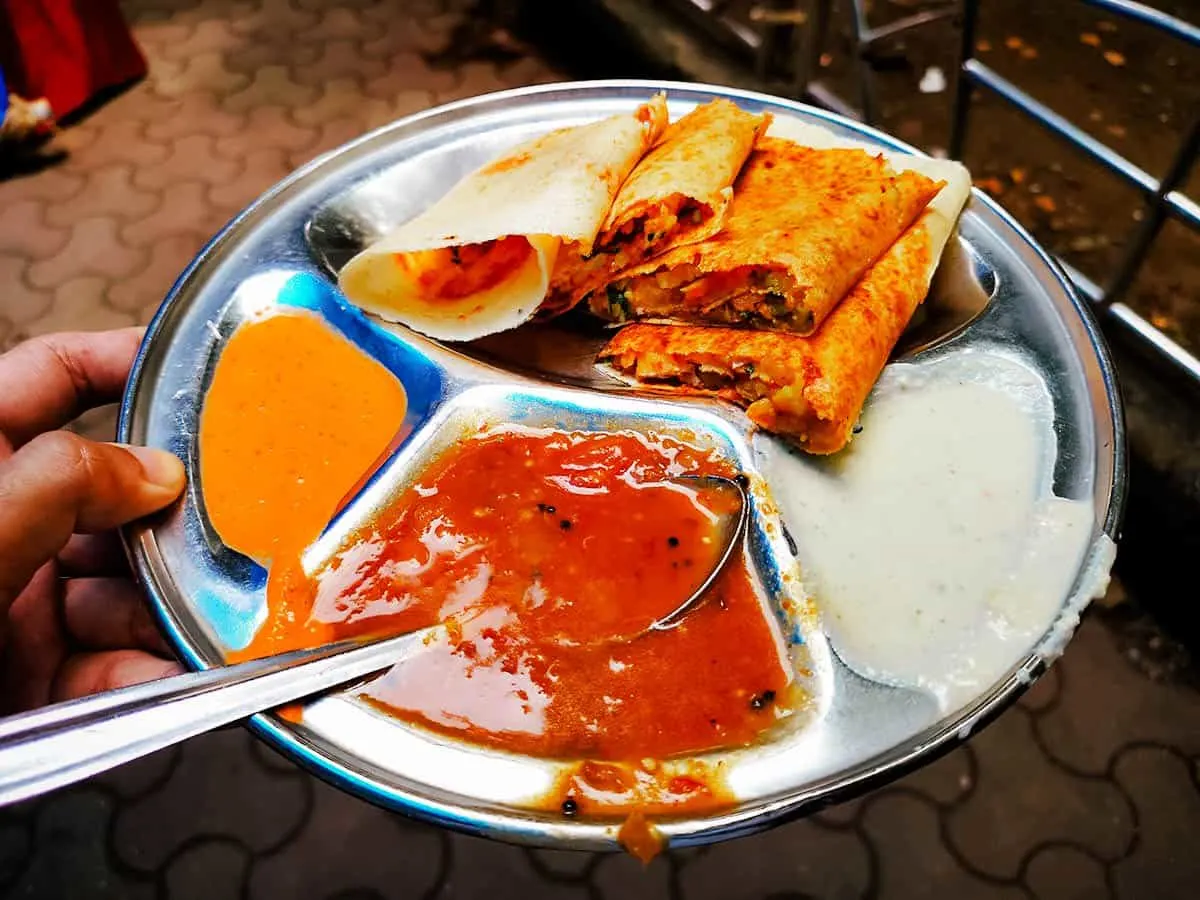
x=283, y=250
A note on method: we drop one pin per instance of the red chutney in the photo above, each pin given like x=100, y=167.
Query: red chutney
x=537, y=548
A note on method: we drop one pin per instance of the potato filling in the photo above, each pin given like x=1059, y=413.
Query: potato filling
x=756, y=296
x=452, y=273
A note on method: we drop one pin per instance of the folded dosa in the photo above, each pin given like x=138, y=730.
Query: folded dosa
x=677, y=194
x=810, y=389
x=480, y=259
x=804, y=225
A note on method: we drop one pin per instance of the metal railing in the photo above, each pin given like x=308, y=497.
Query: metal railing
x=1163, y=197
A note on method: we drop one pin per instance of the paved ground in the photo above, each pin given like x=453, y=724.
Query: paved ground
x=1090, y=787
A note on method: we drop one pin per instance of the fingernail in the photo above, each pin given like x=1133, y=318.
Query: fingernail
x=160, y=467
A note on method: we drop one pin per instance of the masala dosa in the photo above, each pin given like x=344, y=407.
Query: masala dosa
x=809, y=389
x=480, y=259
x=804, y=225
x=677, y=194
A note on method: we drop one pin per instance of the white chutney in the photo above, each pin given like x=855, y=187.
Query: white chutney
x=934, y=546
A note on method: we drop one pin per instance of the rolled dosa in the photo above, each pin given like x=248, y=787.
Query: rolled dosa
x=804, y=225
x=480, y=260
x=677, y=194
x=811, y=389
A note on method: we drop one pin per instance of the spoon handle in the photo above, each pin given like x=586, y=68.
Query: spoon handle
x=58, y=745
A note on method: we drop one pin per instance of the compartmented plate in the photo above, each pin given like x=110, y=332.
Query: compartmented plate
x=995, y=292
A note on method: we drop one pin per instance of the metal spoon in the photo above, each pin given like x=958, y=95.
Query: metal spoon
x=730, y=535
x=67, y=742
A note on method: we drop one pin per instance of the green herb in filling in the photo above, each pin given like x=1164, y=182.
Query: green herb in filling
x=618, y=302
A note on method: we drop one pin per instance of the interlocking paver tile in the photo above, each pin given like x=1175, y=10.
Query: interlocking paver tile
x=118, y=141
x=347, y=844
x=269, y=48
x=338, y=96
x=223, y=792
x=407, y=71
x=1037, y=802
x=93, y=249
x=619, y=876
x=212, y=869
x=474, y=78
x=402, y=35
x=137, y=103
x=376, y=113
x=272, y=85
x=22, y=303
x=903, y=829
x=946, y=780
x=339, y=22
x=529, y=70
x=267, y=126
x=269, y=758
x=15, y=849
x=338, y=59
x=154, y=36
x=55, y=185
x=1167, y=797
x=332, y=134
x=204, y=71
x=110, y=192
x=185, y=207
x=567, y=864
x=68, y=857
x=143, y=774
x=195, y=111
x=840, y=815
x=1045, y=691
x=1105, y=704
x=169, y=256
x=1061, y=872
x=209, y=36
x=486, y=868
x=191, y=157
x=800, y=858
x=79, y=306
x=275, y=16
x=320, y=5
x=261, y=169
x=24, y=231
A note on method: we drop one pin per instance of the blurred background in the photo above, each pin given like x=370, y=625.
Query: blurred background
x=133, y=131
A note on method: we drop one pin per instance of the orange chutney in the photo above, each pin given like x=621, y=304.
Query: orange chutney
x=294, y=418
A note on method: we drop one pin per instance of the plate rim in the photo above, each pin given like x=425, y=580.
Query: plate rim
x=924, y=747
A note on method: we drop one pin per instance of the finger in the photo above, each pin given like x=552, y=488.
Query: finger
x=60, y=483
x=91, y=673
x=110, y=614
x=34, y=644
x=52, y=379
x=88, y=555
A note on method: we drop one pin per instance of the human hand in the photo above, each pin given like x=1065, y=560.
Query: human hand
x=72, y=620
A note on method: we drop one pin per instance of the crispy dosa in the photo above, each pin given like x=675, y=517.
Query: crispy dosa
x=808, y=389
x=480, y=260
x=677, y=194
x=804, y=225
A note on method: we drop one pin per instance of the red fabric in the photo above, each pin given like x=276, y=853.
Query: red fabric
x=66, y=50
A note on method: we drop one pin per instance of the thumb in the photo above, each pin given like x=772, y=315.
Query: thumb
x=60, y=483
